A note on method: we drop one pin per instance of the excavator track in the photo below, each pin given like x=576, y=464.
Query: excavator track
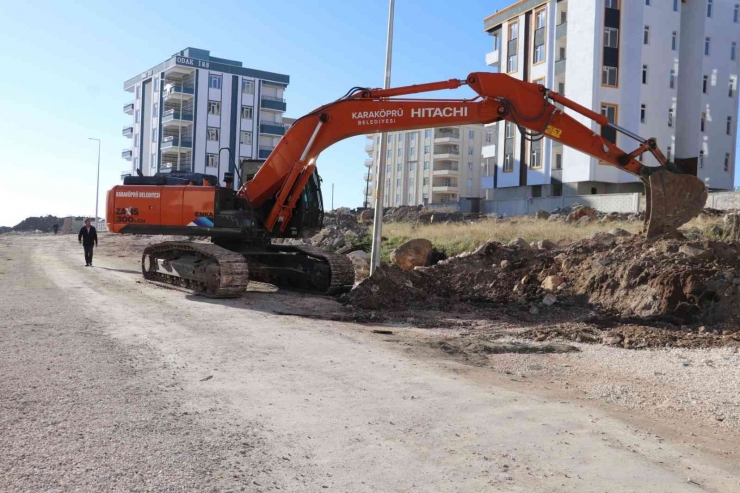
x=303, y=268
x=198, y=268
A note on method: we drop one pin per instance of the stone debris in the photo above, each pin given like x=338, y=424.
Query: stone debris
x=413, y=253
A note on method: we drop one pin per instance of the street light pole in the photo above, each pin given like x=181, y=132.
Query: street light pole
x=97, y=184
x=379, y=193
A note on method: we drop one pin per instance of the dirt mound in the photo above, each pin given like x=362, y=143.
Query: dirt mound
x=675, y=281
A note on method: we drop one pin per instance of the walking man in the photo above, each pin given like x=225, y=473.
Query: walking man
x=87, y=237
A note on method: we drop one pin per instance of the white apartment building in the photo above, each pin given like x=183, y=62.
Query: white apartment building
x=661, y=68
x=188, y=110
x=427, y=166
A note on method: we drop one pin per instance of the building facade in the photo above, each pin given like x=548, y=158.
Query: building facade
x=681, y=89
x=193, y=111
x=427, y=166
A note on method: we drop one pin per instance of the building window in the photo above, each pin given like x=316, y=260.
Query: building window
x=388, y=154
x=610, y=112
x=412, y=137
x=642, y=113
x=709, y=8
x=247, y=112
x=154, y=134
x=701, y=158
x=398, y=182
x=138, y=92
x=733, y=49
x=411, y=197
x=489, y=137
x=427, y=133
x=612, y=4
x=535, y=159
x=426, y=148
x=508, y=147
x=156, y=84
x=412, y=152
x=470, y=166
x=214, y=81
x=136, y=140
x=426, y=164
x=670, y=117
x=412, y=166
x=727, y=161
x=470, y=150
x=214, y=108
x=511, y=61
x=213, y=134
x=399, y=167
x=703, y=121
x=558, y=161
x=136, y=163
x=398, y=199
x=400, y=152
x=675, y=5
x=539, y=45
x=707, y=42
x=153, y=162
x=471, y=134
x=705, y=84
x=400, y=137
x=508, y=130
x=389, y=139
x=470, y=183
x=388, y=168
x=247, y=86
x=646, y=36
x=644, y=74
x=212, y=160
x=729, y=125
x=137, y=119
x=411, y=182
x=425, y=181
x=731, y=86
x=609, y=76
x=647, y=2
x=611, y=37
x=672, y=80
x=668, y=152
x=508, y=162
x=736, y=14
x=674, y=40
x=246, y=138
x=155, y=110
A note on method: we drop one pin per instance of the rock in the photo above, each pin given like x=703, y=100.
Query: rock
x=519, y=243
x=317, y=238
x=546, y=245
x=554, y=218
x=612, y=340
x=413, y=253
x=338, y=242
x=581, y=212
x=534, y=310
x=504, y=264
x=484, y=249
x=549, y=299
x=366, y=215
x=700, y=253
x=612, y=217
x=533, y=245
x=359, y=254
x=604, y=239
x=583, y=221
x=562, y=287
x=619, y=232
x=544, y=215
x=552, y=282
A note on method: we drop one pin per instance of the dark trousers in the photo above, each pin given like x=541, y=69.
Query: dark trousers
x=88, y=253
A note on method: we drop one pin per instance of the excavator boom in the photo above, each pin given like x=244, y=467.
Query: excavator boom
x=672, y=198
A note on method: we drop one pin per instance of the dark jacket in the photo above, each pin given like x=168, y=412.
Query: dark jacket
x=88, y=238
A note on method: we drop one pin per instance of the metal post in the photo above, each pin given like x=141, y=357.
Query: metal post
x=97, y=184
x=379, y=192
x=332, y=196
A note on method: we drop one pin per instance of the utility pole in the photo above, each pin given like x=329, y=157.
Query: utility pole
x=379, y=192
x=97, y=183
x=332, y=196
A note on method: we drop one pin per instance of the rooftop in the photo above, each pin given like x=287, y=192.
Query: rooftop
x=507, y=13
x=199, y=58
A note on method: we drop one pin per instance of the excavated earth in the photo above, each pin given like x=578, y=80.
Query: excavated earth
x=622, y=291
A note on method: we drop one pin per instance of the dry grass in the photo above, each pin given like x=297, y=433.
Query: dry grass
x=461, y=237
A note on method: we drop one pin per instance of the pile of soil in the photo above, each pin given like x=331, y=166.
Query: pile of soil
x=679, y=283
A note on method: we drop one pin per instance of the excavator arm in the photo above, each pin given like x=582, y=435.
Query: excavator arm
x=672, y=198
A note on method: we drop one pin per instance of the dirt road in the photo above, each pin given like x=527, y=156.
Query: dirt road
x=109, y=383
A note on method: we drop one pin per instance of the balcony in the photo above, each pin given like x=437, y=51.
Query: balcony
x=273, y=128
x=176, y=92
x=264, y=151
x=493, y=58
x=172, y=142
x=173, y=118
x=447, y=153
x=125, y=173
x=444, y=189
x=273, y=103
x=368, y=163
x=445, y=171
x=368, y=177
x=128, y=131
x=369, y=148
x=560, y=67
x=447, y=136
x=127, y=154
x=128, y=108
x=561, y=30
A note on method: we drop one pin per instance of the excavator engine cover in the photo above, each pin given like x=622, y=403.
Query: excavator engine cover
x=672, y=200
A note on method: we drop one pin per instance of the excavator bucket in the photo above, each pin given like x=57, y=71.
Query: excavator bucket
x=672, y=200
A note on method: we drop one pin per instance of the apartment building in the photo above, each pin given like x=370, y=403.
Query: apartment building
x=680, y=88
x=193, y=111
x=427, y=166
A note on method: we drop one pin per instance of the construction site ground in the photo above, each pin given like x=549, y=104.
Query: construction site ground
x=111, y=383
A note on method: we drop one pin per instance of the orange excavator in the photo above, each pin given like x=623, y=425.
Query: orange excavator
x=283, y=199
